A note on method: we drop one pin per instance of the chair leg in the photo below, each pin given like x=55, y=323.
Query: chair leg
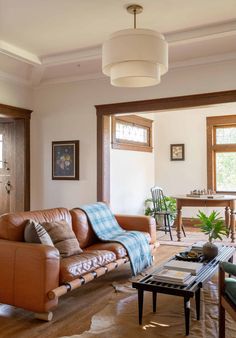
x=168, y=223
x=183, y=230
x=165, y=224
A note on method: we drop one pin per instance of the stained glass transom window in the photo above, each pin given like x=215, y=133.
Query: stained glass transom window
x=131, y=133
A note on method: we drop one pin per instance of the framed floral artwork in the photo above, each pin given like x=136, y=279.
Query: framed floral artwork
x=65, y=160
x=177, y=152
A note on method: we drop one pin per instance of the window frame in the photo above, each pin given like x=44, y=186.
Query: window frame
x=134, y=120
x=213, y=123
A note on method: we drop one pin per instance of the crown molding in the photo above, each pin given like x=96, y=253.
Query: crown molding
x=73, y=56
x=65, y=79
x=18, y=53
x=204, y=60
x=41, y=64
x=202, y=33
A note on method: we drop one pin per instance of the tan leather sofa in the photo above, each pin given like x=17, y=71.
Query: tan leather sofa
x=33, y=276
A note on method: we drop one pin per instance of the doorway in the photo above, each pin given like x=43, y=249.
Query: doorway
x=104, y=112
x=14, y=159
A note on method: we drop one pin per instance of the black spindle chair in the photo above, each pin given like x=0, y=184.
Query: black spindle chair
x=160, y=209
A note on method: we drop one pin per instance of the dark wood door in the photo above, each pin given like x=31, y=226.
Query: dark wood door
x=7, y=167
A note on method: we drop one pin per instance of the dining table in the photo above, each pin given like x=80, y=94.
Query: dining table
x=226, y=201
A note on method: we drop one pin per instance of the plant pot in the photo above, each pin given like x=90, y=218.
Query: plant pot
x=160, y=221
x=210, y=250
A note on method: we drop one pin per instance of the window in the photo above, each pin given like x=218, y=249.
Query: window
x=132, y=132
x=221, y=153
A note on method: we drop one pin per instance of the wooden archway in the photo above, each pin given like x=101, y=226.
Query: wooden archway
x=103, y=125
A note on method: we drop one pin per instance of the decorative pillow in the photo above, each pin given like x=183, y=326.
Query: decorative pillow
x=63, y=238
x=35, y=233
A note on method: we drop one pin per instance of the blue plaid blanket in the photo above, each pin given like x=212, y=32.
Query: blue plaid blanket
x=107, y=229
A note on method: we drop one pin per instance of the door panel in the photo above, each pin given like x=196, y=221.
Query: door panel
x=7, y=177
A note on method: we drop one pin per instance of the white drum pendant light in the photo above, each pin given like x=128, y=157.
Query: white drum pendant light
x=135, y=57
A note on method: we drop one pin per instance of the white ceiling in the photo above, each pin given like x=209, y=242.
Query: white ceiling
x=49, y=40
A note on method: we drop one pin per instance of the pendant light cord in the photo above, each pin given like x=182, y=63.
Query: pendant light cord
x=134, y=18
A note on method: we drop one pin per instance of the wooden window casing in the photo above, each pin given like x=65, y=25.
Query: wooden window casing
x=137, y=121
x=214, y=123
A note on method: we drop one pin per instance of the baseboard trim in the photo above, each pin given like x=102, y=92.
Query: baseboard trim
x=189, y=222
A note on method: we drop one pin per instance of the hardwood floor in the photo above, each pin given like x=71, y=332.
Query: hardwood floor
x=75, y=310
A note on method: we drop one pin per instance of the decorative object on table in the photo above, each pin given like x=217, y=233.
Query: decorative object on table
x=189, y=256
x=65, y=160
x=204, y=193
x=213, y=226
x=177, y=152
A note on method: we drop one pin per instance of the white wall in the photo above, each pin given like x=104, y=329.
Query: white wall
x=66, y=111
x=15, y=94
x=132, y=176
x=188, y=127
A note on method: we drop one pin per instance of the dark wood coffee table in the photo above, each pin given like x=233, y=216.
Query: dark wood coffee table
x=193, y=289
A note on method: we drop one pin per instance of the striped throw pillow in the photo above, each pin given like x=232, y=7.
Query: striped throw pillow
x=35, y=233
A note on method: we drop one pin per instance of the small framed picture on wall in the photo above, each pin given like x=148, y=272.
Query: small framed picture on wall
x=177, y=152
x=65, y=160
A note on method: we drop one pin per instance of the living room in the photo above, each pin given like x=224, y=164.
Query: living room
x=51, y=63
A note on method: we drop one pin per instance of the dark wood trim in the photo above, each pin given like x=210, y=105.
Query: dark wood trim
x=15, y=113
x=167, y=103
x=103, y=158
x=27, y=165
x=178, y=102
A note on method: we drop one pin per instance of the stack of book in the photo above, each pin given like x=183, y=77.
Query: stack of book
x=173, y=277
x=190, y=267
x=178, y=272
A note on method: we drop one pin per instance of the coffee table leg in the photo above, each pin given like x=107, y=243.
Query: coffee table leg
x=140, y=305
x=154, y=301
x=187, y=314
x=198, y=302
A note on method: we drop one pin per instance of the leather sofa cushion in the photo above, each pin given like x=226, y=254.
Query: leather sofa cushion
x=82, y=229
x=115, y=247
x=79, y=265
x=63, y=238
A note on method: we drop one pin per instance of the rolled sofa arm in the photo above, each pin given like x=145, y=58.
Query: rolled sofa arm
x=28, y=273
x=139, y=223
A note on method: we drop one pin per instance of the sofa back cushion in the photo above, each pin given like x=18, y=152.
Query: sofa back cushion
x=82, y=229
x=12, y=225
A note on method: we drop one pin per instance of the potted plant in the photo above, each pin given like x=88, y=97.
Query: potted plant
x=170, y=204
x=213, y=226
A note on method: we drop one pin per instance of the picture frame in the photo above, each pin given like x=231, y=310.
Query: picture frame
x=65, y=160
x=177, y=152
